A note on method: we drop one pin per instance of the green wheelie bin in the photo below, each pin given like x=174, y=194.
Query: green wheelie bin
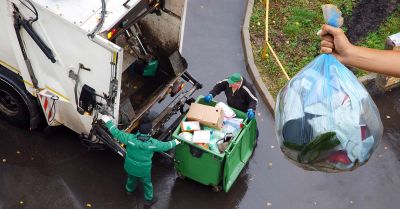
x=219, y=170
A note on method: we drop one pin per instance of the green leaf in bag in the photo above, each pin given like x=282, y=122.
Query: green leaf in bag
x=322, y=142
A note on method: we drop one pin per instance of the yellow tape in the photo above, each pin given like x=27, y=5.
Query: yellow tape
x=57, y=93
x=267, y=45
x=278, y=61
x=29, y=83
x=266, y=19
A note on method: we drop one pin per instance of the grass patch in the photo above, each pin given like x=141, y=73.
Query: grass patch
x=377, y=39
x=292, y=33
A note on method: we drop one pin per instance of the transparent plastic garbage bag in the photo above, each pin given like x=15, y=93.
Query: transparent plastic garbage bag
x=325, y=119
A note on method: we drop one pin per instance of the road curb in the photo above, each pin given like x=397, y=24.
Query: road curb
x=249, y=60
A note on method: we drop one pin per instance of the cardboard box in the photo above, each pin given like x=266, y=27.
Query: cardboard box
x=206, y=115
x=190, y=126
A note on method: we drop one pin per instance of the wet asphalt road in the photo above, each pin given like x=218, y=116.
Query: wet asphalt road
x=55, y=171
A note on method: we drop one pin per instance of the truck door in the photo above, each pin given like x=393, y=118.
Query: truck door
x=82, y=73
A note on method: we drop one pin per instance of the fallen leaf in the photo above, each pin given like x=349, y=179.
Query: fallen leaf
x=252, y=177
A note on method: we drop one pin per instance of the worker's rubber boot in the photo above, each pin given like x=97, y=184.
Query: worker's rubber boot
x=150, y=202
x=129, y=192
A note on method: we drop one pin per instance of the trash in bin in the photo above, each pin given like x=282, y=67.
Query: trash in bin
x=202, y=137
x=206, y=115
x=228, y=112
x=325, y=119
x=186, y=136
x=218, y=162
x=190, y=126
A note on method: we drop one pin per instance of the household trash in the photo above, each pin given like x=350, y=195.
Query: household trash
x=224, y=143
x=228, y=112
x=190, y=126
x=186, y=136
x=206, y=115
x=202, y=137
x=202, y=126
x=234, y=122
x=213, y=145
x=222, y=146
x=325, y=119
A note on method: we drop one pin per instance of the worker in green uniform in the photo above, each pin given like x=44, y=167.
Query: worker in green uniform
x=140, y=148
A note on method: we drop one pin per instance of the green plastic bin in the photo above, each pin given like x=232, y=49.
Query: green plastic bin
x=214, y=169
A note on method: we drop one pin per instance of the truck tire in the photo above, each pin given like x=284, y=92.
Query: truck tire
x=17, y=105
x=12, y=107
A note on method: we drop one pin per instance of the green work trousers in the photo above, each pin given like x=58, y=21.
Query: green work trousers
x=147, y=185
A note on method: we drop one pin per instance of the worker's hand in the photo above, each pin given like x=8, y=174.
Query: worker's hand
x=105, y=118
x=335, y=42
x=208, y=98
x=177, y=141
x=251, y=114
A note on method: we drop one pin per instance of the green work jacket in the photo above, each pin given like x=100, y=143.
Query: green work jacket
x=138, y=153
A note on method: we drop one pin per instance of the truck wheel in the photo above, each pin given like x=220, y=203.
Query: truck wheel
x=12, y=107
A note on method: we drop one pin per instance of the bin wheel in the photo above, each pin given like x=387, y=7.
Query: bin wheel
x=180, y=176
x=217, y=188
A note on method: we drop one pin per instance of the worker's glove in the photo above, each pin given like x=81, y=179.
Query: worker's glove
x=177, y=141
x=208, y=98
x=251, y=114
x=105, y=118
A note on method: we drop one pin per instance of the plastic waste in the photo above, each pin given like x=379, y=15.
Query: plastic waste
x=325, y=119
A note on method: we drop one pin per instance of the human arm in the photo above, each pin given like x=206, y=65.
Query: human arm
x=219, y=87
x=379, y=61
x=251, y=97
x=119, y=135
x=159, y=146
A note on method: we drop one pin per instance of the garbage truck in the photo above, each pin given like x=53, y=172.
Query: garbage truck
x=69, y=62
